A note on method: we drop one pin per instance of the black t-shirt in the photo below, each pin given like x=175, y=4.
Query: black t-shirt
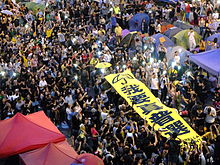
x=174, y=146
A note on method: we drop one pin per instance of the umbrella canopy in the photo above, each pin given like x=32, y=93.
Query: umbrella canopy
x=24, y=133
x=136, y=21
x=171, y=51
x=210, y=39
x=125, y=32
x=162, y=39
x=103, y=65
x=182, y=38
x=7, y=12
x=128, y=40
x=88, y=159
x=53, y=153
x=172, y=32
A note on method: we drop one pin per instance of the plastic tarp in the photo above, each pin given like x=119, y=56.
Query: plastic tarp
x=24, y=133
x=136, y=21
x=209, y=61
x=162, y=39
x=53, y=153
x=210, y=39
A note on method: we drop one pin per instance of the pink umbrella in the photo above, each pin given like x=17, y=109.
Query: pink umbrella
x=88, y=159
x=125, y=32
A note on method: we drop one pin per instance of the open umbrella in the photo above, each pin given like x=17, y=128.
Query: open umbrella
x=210, y=39
x=172, y=32
x=7, y=12
x=128, y=40
x=88, y=159
x=182, y=38
x=103, y=65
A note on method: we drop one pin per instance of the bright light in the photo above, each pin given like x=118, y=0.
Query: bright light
x=135, y=58
x=2, y=73
x=103, y=70
x=65, y=16
x=159, y=61
x=188, y=73
x=145, y=47
x=179, y=67
x=164, y=72
x=124, y=66
x=99, y=42
x=75, y=65
x=117, y=67
x=99, y=53
x=180, y=50
x=143, y=63
x=26, y=26
x=14, y=74
x=151, y=60
x=173, y=64
x=76, y=77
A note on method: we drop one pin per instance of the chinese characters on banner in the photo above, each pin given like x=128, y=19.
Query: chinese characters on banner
x=148, y=107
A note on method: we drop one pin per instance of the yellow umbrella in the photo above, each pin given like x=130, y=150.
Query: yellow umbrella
x=94, y=61
x=103, y=65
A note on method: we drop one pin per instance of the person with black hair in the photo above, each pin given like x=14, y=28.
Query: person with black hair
x=173, y=150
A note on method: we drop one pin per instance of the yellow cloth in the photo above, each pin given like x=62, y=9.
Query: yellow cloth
x=118, y=31
x=202, y=45
x=116, y=10
x=13, y=39
x=49, y=32
x=100, y=32
x=25, y=61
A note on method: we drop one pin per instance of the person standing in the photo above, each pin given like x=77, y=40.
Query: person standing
x=192, y=41
x=163, y=87
x=154, y=85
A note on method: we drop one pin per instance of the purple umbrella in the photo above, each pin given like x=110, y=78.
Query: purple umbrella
x=125, y=32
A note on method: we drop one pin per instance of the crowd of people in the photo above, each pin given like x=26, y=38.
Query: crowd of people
x=48, y=63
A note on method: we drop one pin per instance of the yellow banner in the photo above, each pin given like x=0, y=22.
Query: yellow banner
x=150, y=108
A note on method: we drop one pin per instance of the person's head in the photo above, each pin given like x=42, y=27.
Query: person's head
x=174, y=135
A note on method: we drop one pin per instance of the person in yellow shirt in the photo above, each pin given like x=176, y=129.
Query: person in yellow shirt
x=202, y=46
x=116, y=10
x=118, y=32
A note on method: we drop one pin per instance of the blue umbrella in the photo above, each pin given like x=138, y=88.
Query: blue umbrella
x=162, y=39
x=210, y=39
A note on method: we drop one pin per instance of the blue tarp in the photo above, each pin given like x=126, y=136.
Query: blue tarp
x=209, y=61
x=160, y=37
x=136, y=20
x=172, y=32
x=210, y=39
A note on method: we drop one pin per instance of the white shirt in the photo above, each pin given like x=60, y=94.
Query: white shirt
x=154, y=83
x=42, y=83
x=210, y=118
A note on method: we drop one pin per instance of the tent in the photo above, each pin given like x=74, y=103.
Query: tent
x=59, y=153
x=210, y=39
x=88, y=159
x=165, y=27
x=214, y=26
x=160, y=38
x=128, y=40
x=136, y=21
x=209, y=61
x=185, y=26
x=172, y=32
x=182, y=38
x=24, y=133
